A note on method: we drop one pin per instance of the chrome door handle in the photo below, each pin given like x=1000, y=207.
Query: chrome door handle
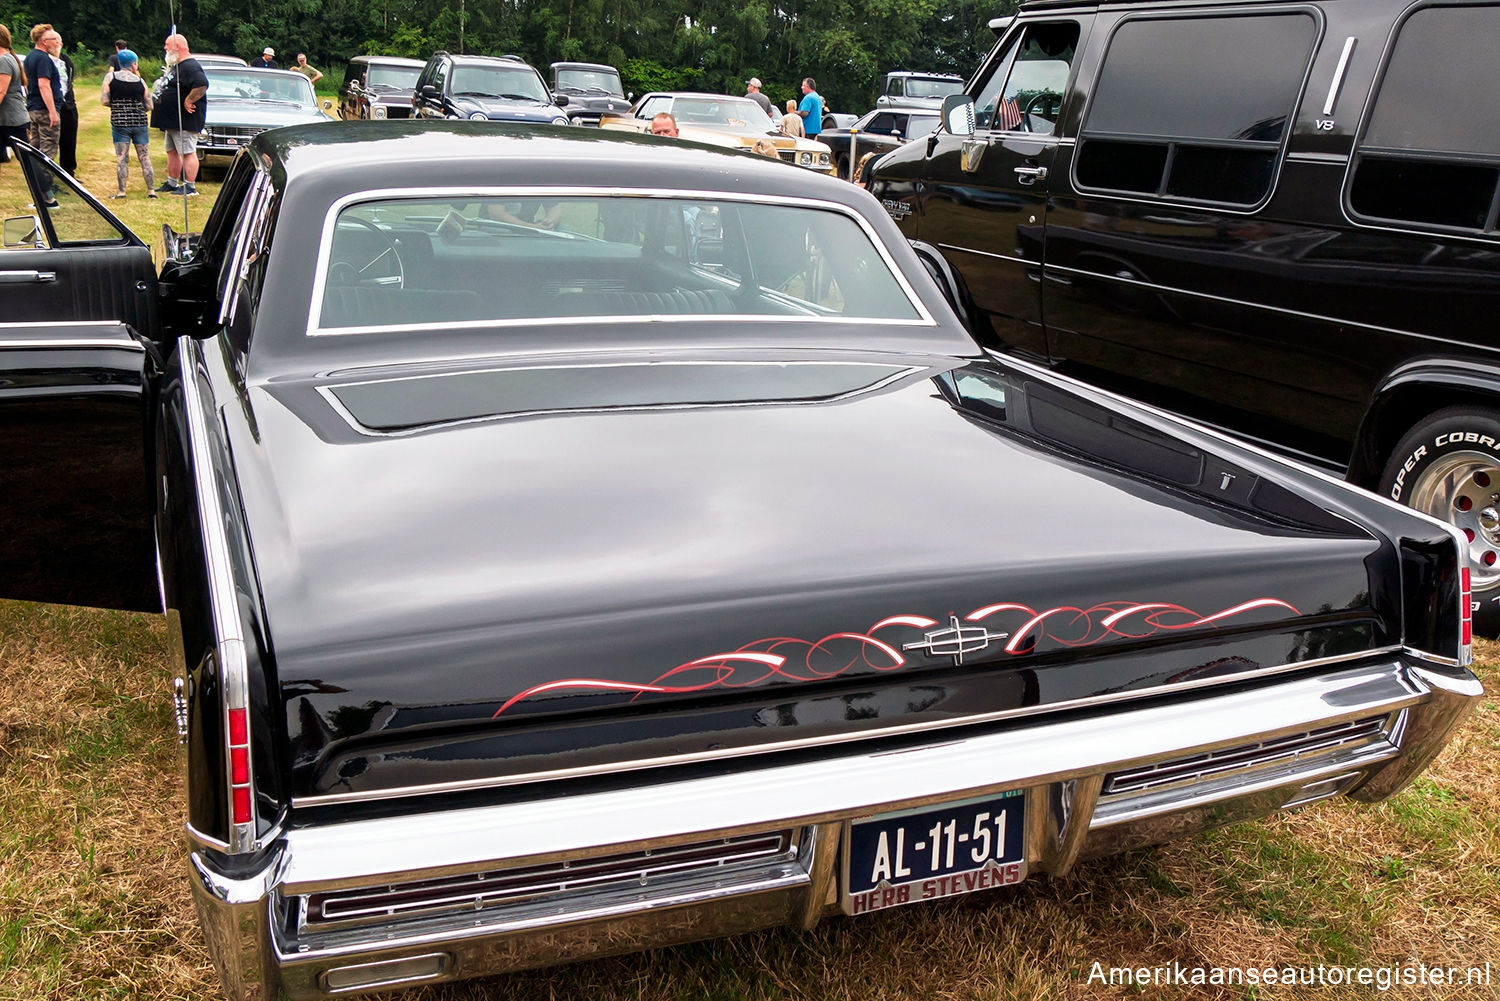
x=1030, y=175
x=19, y=277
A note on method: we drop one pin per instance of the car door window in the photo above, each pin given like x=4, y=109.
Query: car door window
x=1025, y=93
x=23, y=227
x=920, y=125
x=885, y=122
x=74, y=220
x=440, y=77
x=653, y=107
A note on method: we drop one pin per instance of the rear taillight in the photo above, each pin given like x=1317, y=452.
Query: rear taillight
x=1465, y=618
x=239, y=765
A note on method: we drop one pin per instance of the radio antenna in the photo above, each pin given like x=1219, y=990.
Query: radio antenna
x=182, y=170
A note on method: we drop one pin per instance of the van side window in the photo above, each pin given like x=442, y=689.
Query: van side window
x=1420, y=161
x=1025, y=92
x=1195, y=108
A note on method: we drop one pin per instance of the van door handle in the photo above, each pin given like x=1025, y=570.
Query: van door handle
x=1030, y=175
x=23, y=277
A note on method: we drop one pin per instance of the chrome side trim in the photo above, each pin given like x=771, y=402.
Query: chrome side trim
x=1329, y=159
x=1258, y=306
x=833, y=788
x=1249, y=446
x=52, y=324
x=1338, y=76
x=327, y=799
x=1208, y=430
x=325, y=249
x=229, y=631
x=990, y=254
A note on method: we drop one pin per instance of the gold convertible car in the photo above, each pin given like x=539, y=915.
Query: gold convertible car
x=721, y=120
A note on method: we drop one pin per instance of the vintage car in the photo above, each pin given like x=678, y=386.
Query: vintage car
x=591, y=90
x=244, y=101
x=378, y=87
x=879, y=131
x=721, y=120
x=550, y=577
x=218, y=60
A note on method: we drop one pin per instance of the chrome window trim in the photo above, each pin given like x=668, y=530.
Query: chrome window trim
x=1320, y=30
x=325, y=248
x=698, y=757
x=897, y=373
x=229, y=631
x=233, y=267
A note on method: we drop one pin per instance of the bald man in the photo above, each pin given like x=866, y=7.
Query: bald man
x=181, y=110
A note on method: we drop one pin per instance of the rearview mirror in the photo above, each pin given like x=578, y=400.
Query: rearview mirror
x=327, y=104
x=958, y=114
x=429, y=91
x=561, y=100
x=23, y=231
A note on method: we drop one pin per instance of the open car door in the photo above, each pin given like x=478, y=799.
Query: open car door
x=78, y=306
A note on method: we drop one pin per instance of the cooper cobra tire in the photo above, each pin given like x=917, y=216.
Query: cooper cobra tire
x=1448, y=466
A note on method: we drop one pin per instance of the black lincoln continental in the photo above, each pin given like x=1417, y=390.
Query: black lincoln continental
x=579, y=542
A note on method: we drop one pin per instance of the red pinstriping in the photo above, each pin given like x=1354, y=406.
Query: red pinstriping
x=797, y=660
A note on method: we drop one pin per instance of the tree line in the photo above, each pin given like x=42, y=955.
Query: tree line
x=712, y=45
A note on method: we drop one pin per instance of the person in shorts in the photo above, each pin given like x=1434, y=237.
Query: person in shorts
x=181, y=111
x=124, y=93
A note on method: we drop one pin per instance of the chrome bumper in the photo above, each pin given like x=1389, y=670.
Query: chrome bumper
x=1094, y=785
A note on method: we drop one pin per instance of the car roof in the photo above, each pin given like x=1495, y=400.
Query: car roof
x=934, y=76
x=587, y=66
x=468, y=58
x=365, y=155
x=695, y=93
x=388, y=60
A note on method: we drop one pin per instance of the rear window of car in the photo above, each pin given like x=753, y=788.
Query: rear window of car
x=1417, y=162
x=1196, y=108
x=526, y=258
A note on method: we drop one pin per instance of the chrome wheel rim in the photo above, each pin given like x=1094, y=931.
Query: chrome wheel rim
x=1463, y=489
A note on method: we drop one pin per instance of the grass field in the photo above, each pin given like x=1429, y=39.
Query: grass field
x=94, y=901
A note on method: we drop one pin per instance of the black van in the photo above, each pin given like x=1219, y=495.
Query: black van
x=1279, y=218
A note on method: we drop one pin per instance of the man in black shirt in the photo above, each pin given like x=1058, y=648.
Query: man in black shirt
x=114, y=60
x=267, y=60
x=181, y=110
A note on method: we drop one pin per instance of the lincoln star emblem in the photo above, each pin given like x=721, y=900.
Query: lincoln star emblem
x=955, y=641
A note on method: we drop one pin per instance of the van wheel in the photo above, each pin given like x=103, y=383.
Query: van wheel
x=1448, y=466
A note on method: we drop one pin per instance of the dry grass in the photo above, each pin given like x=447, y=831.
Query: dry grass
x=94, y=901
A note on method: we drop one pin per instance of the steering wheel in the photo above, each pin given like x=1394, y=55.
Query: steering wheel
x=343, y=270
x=1043, y=100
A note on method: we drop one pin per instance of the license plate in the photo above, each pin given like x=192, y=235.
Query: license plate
x=934, y=852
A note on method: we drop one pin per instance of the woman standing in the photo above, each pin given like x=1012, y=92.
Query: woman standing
x=13, y=117
x=124, y=93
